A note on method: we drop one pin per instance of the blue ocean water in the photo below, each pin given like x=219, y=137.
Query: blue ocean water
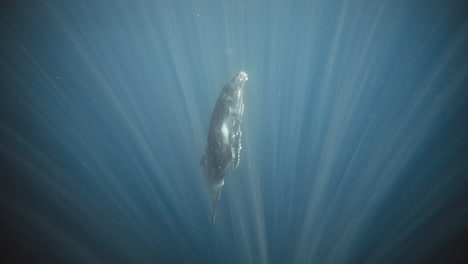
x=354, y=133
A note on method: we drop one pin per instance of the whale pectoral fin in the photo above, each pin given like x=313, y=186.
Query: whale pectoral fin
x=236, y=147
x=235, y=142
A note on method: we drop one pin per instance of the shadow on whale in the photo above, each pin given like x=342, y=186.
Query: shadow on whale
x=224, y=138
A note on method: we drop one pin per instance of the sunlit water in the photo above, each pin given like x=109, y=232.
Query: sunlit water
x=354, y=132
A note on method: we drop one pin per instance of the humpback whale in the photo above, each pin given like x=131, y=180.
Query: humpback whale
x=224, y=138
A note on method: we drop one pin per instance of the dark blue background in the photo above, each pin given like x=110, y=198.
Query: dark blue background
x=354, y=134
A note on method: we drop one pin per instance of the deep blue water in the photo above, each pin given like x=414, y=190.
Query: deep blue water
x=355, y=132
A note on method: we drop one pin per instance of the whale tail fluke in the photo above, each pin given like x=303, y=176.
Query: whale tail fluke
x=214, y=204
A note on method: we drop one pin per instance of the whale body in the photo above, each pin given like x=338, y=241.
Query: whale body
x=224, y=138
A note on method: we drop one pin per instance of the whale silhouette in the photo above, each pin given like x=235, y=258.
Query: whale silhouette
x=224, y=138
